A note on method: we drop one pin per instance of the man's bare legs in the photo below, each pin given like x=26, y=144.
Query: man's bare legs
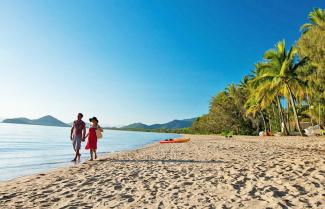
x=77, y=156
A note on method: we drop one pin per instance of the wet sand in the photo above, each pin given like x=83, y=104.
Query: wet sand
x=207, y=172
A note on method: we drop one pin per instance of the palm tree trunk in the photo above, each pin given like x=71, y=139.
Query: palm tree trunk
x=264, y=122
x=274, y=113
x=288, y=115
x=294, y=110
x=282, y=120
x=268, y=119
x=308, y=102
x=319, y=114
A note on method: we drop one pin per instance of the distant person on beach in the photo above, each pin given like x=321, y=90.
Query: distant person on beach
x=93, y=134
x=78, y=132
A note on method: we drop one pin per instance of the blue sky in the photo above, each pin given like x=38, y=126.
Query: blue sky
x=133, y=60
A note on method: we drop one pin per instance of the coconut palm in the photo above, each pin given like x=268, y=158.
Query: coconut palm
x=238, y=96
x=317, y=19
x=263, y=90
x=279, y=74
x=312, y=45
x=253, y=107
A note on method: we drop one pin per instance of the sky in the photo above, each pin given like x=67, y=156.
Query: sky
x=128, y=61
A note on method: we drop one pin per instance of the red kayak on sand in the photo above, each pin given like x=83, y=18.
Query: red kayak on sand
x=174, y=141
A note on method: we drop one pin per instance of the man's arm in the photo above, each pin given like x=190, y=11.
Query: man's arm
x=84, y=132
x=71, y=132
x=72, y=129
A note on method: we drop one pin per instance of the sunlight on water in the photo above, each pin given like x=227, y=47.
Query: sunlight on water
x=28, y=149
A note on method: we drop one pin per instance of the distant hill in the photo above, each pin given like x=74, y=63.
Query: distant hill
x=175, y=124
x=43, y=121
x=136, y=126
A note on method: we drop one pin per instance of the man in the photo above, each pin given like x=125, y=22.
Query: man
x=78, y=133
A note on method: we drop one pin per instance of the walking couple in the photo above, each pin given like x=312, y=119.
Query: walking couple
x=78, y=135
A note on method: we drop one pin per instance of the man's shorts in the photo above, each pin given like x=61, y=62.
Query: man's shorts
x=76, y=143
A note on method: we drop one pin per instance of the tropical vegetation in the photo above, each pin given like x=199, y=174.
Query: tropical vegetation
x=284, y=92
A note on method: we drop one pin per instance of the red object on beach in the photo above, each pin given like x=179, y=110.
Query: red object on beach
x=92, y=139
x=174, y=141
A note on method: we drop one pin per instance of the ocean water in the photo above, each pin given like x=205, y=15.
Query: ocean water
x=29, y=149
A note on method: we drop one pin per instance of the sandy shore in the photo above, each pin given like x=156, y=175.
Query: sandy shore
x=207, y=172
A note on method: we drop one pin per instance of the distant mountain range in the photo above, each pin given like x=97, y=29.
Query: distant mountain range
x=175, y=124
x=43, y=121
x=52, y=121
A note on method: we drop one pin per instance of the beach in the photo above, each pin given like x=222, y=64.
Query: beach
x=207, y=172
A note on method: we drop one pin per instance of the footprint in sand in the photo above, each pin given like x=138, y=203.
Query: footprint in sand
x=118, y=187
x=69, y=195
x=56, y=199
x=187, y=183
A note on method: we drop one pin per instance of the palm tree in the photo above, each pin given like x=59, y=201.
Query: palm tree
x=279, y=74
x=317, y=19
x=238, y=96
x=265, y=92
x=253, y=107
x=312, y=44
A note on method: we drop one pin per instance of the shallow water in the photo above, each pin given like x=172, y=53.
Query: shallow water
x=28, y=149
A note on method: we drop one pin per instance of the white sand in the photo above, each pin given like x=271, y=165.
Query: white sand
x=208, y=172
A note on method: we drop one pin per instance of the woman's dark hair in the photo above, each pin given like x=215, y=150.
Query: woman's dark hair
x=93, y=118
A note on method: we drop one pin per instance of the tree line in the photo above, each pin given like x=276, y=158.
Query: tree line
x=285, y=89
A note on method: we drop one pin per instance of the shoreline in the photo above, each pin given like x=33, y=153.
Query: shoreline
x=71, y=164
x=40, y=149
x=209, y=171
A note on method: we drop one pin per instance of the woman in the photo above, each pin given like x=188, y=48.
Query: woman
x=92, y=137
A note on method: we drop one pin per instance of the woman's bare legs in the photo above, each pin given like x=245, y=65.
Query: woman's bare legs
x=91, y=154
x=95, y=153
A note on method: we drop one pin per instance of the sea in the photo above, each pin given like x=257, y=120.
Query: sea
x=30, y=149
